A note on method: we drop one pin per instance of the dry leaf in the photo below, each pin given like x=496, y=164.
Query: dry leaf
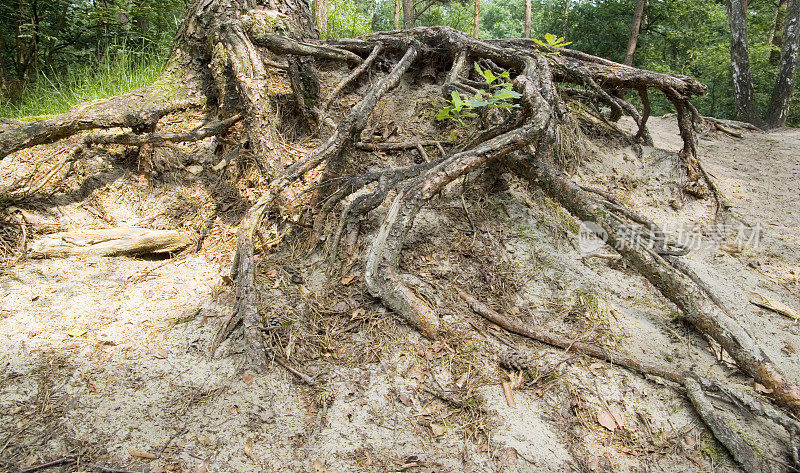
x=607, y=420
x=160, y=353
x=509, y=458
x=248, y=378
x=762, y=389
x=415, y=372
x=438, y=430
x=248, y=449
x=405, y=399
x=138, y=454
x=360, y=312
x=348, y=279
x=340, y=307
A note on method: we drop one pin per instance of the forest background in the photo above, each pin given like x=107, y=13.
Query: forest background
x=58, y=53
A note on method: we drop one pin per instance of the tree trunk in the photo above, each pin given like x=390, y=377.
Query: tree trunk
x=26, y=57
x=636, y=27
x=409, y=16
x=527, y=28
x=567, y=4
x=784, y=82
x=775, y=38
x=743, y=93
x=476, y=18
x=321, y=16
x=397, y=8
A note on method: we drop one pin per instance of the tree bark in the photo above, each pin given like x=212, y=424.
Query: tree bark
x=409, y=18
x=743, y=92
x=397, y=7
x=775, y=37
x=784, y=82
x=636, y=27
x=527, y=28
x=321, y=16
x=476, y=18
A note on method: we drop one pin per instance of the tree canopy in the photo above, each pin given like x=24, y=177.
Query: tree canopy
x=679, y=36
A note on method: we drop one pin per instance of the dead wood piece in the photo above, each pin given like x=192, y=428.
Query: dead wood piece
x=108, y=113
x=301, y=376
x=43, y=466
x=701, y=310
x=110, y=242
x=566, y=343
x=137, y=139
x=773, y=305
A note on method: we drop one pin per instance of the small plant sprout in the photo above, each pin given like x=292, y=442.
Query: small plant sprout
x=498, y=94
x=552, y=41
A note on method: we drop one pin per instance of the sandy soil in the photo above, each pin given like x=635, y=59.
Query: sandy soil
x=105, y=361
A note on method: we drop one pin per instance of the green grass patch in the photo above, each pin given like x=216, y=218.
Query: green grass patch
x=55, y=92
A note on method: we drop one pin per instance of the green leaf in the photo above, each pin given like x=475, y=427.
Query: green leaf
x=505, y=74
x=550, y=38
x=507, y=94
x=443, y=114
x=475, y=102
x=489, y=76
x=457, y=102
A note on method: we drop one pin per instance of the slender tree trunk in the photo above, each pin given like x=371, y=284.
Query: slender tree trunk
x=408, y=14
x=321, y=16
x=784, y=82
x=527, y=30
x=397, y=7
x=636, y=27
x=776, y=33
x=567, y=4
x=476, y=18
x=744, y=95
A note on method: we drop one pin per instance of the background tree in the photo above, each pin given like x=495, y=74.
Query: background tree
x=636, y=26
x=321, y=16
x=778, y=110
x=743, y=91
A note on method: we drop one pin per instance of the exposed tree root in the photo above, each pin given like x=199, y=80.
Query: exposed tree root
x=695, y=387
x=700, y=309
x=229, y=49
x=382, y=274
x=243, y=268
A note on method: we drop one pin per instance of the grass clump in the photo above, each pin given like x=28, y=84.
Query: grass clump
x=55, y=92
